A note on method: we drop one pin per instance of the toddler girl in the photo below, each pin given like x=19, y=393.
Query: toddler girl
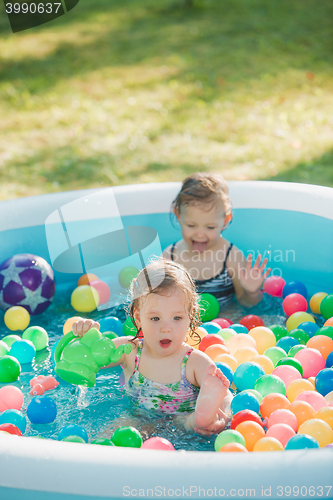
x=203, y=209
x=162, y=372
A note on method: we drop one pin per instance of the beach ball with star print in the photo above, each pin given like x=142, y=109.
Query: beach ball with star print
x=26, y=280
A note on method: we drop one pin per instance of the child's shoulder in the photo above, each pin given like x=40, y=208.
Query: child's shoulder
x=168, y=253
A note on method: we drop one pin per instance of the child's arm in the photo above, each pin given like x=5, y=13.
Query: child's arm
x=247, y=280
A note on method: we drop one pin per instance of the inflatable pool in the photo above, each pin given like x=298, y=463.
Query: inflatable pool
x=291, y=224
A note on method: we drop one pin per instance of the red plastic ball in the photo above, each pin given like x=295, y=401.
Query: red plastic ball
x=223, y=322
x=210, y=339
x=11, y=429
x=103, y=290
x=274, y=286
x=251, y=321
x=243, y=416
x=293, y=303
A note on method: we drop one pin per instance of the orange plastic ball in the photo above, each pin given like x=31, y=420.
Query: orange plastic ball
x=194, y=341
x=319, y=430
x=239, y=341
x=245, y=354
x=265, y=362
x=215, y=350
x=272, y=402
x=252, y=432
x=296, y=387
x=86, y=278
x=322, y=343
x=233, y=447
x=228, y=360
x=302, y=410
x=268, y=444
x=264, y=338
x=329, y=322
x=69, y=323
x=326, y=414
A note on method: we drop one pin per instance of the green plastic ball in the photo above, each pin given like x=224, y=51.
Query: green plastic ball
x=103, y=442
x=38, y=336
x=326, y=306
x=129, y=328
x=267, y=384
x=292, y=362
x=127, y=275
x=228, y=436
x=10, y=369
x=279, y=331
x=9, y=340
x=209, y=307
x=74, y=439
x=275, y=354
x=294, y=350
x=128, y=437
x=299, y=335
x=324, y=330
x=4, y=348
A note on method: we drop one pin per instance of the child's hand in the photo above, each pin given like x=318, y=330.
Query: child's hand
x=251, y=278
x=80, y=327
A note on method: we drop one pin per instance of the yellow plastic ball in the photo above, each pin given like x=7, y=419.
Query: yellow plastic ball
x=296, y=387
x=268, y=444
x=245, y=354
x=297, y=318
x=319, y=430
x=228, y=359
x=17, y=318
x=264, y=338
x=326, y=414
x=85, y=298
x=315, y=302
x=265, y=362
x=69, y=323
x=240, y=340
x=329, y=398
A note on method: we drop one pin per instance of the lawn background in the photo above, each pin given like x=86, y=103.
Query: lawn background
x=121, y=92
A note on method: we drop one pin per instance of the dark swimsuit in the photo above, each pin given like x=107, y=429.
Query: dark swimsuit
x=220, y=286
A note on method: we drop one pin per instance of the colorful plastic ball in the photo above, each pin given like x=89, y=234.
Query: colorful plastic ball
x=11, y=429
x=326, y=307
x=302, y=442
x=226, y=370
x=84, y=298
x=302, y=410
x=245, y=354
x=216, y=350
x=274, y=285
x=329, y=322
x=102, y=289
x=223, y=322
x=319, y=430
x=287, y=373
x=102, y=442
x=315, y=301
x=227, y=359
x=326, y=414
x=14, y=417
x=245, y=401
x=233, y=447
x=273, y=402
x=294, y=287
x=245, y=415
x=290, y=362
x=311, y=360
x=227, y=333
x=325, y=330
x=297, y=387
x=17, y=318
x=294, y=350
x=324, y=381
x=211, y=339
x=69, y=323
x=10, y=369
x=128, y=437
x=299, y=335
x=238, y=328
x=329, y=360
x=9, y=341
x=294, y=303
x=240, y=340
x=38, y=336
x=321, y=343
x=275, y=354
x=297, y=318
x=281, y=432
x=23, y=350
x=286, y=343
x=4, y=349
x=11, y=398
x=264, y=362
x=127, y=275
x=41, y=410
x=211, y=327
x=264, y=338
x=255, y=393
x=247, y=374
x=74, y=439
x=157, y=443
x=73, y=430
x=316, y=400
x=283, y=416
x=279, y=331
x=268, y=384
x=268, y=444
x=228, y=436
x=251, y=321
x=86, y=278
x=209, y=307
x=252, y=432
x=309, y=327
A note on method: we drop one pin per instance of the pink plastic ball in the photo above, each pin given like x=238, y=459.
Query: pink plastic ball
x=315, y=399
x=103, y=290
x=311, y=360
x=287, y=373
x=274, y=286
x=223, y=322
x=293, y=303
x=282, y=416
x=281, y=432
x=11, y=398
x=157, y=443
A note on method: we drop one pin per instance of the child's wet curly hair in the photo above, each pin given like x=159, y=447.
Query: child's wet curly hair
x=161, y=277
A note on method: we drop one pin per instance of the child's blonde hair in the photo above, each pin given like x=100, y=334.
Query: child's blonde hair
x=202, y=188
x=161, y=277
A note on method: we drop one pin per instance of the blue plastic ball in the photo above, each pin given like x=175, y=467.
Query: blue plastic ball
x=73, y=430
x=286, y=343
x=247, y=374
x=294, y=287
x=14, y=417
x=301, y=442
x=211, y=327
x=111, y=324
x=42, y=410
x=324, y=381
x=23, y=350
x=309, y=327
x=226, y=370
x=245, y=401
x=329, y=360
x=239, y=328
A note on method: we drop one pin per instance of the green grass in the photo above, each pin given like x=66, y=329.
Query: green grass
x=139, y=91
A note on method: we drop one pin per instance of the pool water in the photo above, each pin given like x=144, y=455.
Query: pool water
x=105, y=406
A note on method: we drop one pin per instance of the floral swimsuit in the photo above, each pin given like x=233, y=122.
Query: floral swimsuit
x=179, y=397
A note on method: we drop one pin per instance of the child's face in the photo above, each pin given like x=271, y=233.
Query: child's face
x=164, y=320
x=201, y=228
